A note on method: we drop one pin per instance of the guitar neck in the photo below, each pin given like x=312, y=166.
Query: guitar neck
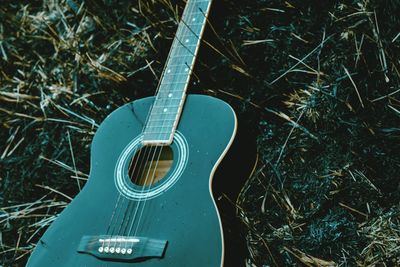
x=167, y=108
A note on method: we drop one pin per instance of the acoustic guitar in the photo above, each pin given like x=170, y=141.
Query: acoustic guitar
x=151, y=200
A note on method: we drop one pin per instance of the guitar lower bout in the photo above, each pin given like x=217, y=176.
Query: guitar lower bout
x=173, y=221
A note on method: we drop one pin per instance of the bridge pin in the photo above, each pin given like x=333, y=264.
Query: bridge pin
x=123, y=250
x=101, y=249
x=118, y=250
x=129, y=251
x=106, y=249
x=112, y=250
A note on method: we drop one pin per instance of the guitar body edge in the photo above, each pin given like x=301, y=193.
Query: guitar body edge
x=186, y=214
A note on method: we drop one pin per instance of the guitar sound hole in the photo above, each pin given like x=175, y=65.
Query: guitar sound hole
x=150, y=164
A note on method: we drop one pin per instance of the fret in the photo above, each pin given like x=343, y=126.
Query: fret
x=183, y=50
x=165, y=107
x=165, y=113
x=174, y=83
x=197, y=10
x=152, y=141
x=178, y=68
x=165, y=82
x=165, y=110
x=163, y=120
x=186, y=48
x=181, y=56
x=169, y=96
x=160, y=109
x=187, y=38
x=183, y=60
x=158, y=129
x=185, y=63
x=171, y=90
x=197, y=13
x=156, y=118
x=194, y=6
x=182, y=44
x=172, y=98
x=158, y=126
x=150, y=138
x=158, y=132
x=176, y=65
x=189, y=35
x=178, y=83
x=168, y=80
x=178, y=74
x=194, y=24
x=160, y=114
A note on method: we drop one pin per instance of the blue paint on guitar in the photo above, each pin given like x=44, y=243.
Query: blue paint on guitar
x=184, y=215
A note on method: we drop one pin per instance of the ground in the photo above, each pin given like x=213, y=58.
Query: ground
x=318, y=80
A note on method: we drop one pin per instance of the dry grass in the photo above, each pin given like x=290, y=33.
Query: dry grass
x=319, y=81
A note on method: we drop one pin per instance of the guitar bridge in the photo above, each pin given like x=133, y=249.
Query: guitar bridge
x=122, y=248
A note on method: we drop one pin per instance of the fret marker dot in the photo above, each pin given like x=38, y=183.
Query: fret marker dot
x=169, y=95
x=194, y=19
x=169, y=71
x=187, y=69
x=165, y=109
x=187, y=40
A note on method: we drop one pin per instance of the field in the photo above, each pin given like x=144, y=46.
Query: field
x=316, y=81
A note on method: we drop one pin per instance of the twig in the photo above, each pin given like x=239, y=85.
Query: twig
x=73, y=160
x=54, y=190
x=304, y=58
x=355, y=86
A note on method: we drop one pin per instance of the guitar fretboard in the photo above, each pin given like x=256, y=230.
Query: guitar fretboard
x=165, y=113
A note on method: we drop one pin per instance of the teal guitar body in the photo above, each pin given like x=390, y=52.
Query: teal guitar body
x=174, y=222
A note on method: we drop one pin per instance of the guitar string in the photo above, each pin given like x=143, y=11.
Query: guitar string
x=111, y=225
x=128, y=208
x=138, y=224
x=141, y=167
x=135, y=151
x=146, y=148
x=152, y=179
x=194, y=56
x=139, y=172
x=180, y=30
